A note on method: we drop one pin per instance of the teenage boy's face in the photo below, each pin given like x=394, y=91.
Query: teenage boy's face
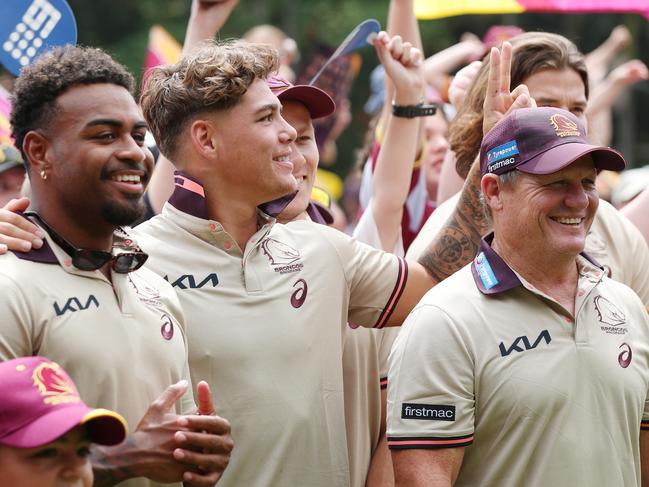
x=61, y=463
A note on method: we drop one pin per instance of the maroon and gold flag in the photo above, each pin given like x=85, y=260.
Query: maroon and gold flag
x=162, y=48
x=436, y=9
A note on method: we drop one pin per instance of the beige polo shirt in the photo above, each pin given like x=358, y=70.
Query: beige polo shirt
x=365, y=372
x=362, y=398
x=613, y=241
x=121, y=343
x=489, y=362
x=266, y=328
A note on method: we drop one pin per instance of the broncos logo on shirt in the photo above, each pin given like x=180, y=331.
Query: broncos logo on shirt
x=279, y=253
x=608, y=313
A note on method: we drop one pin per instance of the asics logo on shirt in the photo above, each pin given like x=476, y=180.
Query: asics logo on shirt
x=522, y=343
x=299, y=295
x=188, y=281
x=626, y=355
x=167, y=328
x=74, y=304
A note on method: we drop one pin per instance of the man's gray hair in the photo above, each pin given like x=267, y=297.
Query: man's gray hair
x=506, y=179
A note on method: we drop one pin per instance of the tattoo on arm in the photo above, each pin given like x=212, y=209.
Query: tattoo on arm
x=457, y=243
x=105, y=468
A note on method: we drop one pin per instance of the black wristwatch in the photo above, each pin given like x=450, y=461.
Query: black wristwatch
x=412, y=111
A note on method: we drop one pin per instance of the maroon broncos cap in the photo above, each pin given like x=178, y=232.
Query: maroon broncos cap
x=39, y=403
x=317, y=101
x=541, y=141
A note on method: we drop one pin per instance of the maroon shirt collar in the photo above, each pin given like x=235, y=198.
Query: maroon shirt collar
x=189, y=197
x=492, y=275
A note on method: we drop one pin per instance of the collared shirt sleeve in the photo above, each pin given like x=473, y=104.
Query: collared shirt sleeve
x=385, y=342
x=431, y=402
x=367, y=232
x=16, y=329
x=375, y=279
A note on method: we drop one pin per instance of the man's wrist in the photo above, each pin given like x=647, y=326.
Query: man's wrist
x=412, y=111
x=112, y=465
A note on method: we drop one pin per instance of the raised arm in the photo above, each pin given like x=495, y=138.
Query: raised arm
x=438, y=66
x=401, y=22
x=457, y=243
x=393, y=170
x=205, y=20
x=450, y=182
x=605, y=94
x=598, y=60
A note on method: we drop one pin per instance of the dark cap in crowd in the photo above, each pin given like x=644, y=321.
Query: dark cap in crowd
x=317, y=101
x=541, y=141
x=39, y=403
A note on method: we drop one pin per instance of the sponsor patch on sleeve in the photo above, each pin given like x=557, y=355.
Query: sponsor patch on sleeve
x=427, y=412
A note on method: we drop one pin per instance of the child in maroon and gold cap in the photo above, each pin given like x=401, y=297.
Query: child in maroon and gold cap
x=46, y=430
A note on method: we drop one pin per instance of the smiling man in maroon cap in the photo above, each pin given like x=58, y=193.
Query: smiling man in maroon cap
x=530, y=354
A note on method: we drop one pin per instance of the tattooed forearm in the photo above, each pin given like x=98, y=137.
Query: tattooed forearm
x=457, y=243
x=105, y=465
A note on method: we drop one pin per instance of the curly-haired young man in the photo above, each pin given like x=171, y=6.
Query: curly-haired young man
x=82, y=299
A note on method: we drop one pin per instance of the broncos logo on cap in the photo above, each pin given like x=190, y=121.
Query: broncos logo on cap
x=54, y=385
x=564, y=127
x=277, y=83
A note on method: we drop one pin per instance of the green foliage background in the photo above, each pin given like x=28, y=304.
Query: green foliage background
x=121, y=27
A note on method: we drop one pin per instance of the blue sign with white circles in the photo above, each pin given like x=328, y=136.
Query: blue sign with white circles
x=30, y=27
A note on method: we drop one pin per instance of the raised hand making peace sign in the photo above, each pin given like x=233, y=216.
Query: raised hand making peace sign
x=499, y=99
